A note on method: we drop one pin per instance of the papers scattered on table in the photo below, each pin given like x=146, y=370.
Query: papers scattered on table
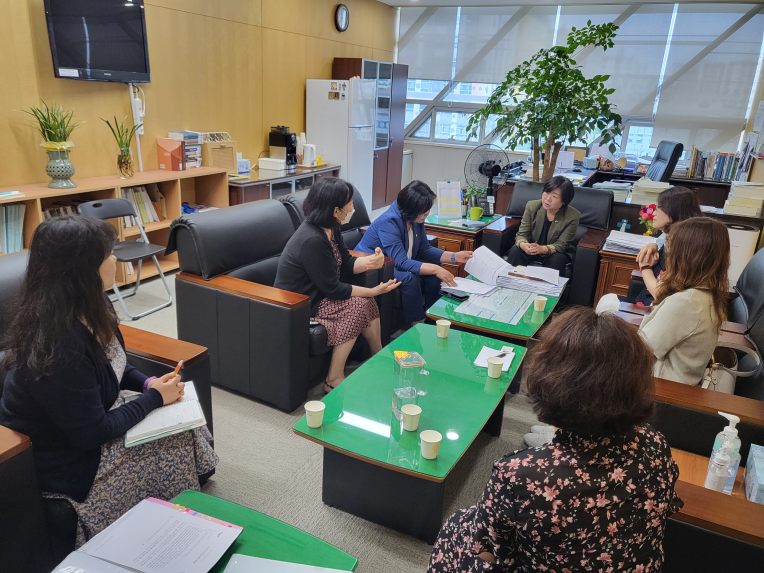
x=482, y=358
x=547, y=275
x=503, y=305
x=470, y=287
x=531, y=286
x=246, y=564
x=627, y=243
x=168, y=420
x=491, y=269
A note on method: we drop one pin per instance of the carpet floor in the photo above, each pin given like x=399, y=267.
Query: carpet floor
x=266, y=467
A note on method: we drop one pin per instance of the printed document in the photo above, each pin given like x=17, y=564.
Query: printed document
x=486, y=266
x=504, y=305
x=449, y=199
x=246, y=564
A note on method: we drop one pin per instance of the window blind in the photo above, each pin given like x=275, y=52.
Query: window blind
x=428, y=51
x=478, y=25
x=634, y=63
x=705, y=105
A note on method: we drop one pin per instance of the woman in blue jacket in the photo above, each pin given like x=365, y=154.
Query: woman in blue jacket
x=400, y=233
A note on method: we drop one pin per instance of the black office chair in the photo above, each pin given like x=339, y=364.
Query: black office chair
x=665, y=160
x=128, y=251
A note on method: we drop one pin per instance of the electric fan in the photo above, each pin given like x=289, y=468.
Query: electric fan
x=485, y=166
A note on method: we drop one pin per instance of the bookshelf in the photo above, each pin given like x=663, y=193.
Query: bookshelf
x=203, y=185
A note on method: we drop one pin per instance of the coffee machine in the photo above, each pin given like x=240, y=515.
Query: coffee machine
x=283, y=145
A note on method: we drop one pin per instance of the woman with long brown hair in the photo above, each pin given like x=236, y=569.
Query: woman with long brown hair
x=691, y=300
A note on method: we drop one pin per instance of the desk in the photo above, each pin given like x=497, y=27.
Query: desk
x=272, y=184
x=455, y=238
x=372, y=468
x=267, y=537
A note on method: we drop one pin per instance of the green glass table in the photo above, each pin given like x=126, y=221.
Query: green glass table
x=267, y=537
x=373, y=468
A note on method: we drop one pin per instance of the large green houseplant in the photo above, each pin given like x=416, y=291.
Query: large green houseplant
x=547, y=99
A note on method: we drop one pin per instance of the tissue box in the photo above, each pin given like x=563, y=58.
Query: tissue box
x=590, y=162
x=754, y=475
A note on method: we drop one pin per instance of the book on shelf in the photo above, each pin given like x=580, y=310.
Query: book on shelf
x=168, y=420
x=155, y=536
x=144, y=207
x=12, y=227
x=712, y=165
x=189, y=137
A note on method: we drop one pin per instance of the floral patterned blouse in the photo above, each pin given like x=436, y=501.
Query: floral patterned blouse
x=577, y=504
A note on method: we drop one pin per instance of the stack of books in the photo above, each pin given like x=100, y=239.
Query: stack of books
x=193, y=146
x=645, y=191
x=712, y=165
x=746, y=198
x=61, y=208
x=12, y=228
x=626, y=243
x=148, y=203
x=620, y=189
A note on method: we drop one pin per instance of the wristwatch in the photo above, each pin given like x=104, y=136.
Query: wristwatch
x=453, y=258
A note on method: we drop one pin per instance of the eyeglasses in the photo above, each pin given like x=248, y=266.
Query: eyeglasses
x=659, y=208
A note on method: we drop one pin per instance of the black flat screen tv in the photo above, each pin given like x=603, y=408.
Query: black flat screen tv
x=98, y=40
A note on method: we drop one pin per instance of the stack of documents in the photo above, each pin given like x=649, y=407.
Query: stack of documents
x=620, y=189
x=645, y=191
x=470, y=287
x=626, y=243
x=746, y=198
x=533, y=286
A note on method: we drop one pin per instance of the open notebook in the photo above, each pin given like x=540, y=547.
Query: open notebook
x=168, y=420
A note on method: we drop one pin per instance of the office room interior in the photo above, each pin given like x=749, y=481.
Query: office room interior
x=411, y=285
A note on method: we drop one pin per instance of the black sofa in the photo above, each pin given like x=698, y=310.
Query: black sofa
x=593, y=204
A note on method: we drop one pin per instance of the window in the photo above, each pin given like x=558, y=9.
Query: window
x=412, y=111
x=638, y=141
x=466, y=92
x=424, y=131
x=451, y=126
x=424, y=89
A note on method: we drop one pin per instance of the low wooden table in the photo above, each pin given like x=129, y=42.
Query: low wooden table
x=373, y=468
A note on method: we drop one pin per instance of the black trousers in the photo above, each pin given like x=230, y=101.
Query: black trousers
x=518, y=257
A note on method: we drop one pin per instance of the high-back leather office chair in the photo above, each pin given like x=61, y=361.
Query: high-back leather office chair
x=665, y=160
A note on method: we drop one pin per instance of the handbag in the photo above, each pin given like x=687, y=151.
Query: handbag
x=722, y=373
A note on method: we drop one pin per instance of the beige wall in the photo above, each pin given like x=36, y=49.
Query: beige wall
x=216, y=65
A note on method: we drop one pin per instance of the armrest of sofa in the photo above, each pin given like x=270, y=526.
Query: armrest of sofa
x=160, y=348
x=499, y=236
x=586, y=265
x=635, y=308
x=370, y=279
x=593, y=239
x=247, y=289
x=12, y=443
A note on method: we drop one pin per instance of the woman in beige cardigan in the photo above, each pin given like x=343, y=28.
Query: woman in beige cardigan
x=691, y=301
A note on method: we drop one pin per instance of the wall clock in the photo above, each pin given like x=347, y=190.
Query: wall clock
x=341, y=18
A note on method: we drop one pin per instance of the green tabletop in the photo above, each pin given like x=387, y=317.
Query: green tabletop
x=267, y=537
x=438, y=222
x=525, y=329
x=359, y=420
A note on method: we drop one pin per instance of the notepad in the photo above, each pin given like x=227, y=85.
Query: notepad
x=247, y=564
x=168, y=420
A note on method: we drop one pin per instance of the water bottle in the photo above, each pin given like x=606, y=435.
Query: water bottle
x=728, y=434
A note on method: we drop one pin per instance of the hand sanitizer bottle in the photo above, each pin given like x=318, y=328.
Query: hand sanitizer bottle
x=716, y=476
x=729, y=433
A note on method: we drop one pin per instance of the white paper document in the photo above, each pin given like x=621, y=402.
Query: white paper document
x=449, y=199
x=486, y=266
x=551, y=276
x=246, y=564
x=485, y=353
x=155, y=538
x=504, y=305
x=470, y=286
x=168, y=420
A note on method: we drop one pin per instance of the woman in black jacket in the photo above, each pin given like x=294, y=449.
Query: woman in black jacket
x=316, y=262
x=67, y=365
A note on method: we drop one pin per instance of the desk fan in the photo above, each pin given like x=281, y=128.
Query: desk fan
x=485, y=166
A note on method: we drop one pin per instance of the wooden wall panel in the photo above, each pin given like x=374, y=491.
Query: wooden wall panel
x=216, y=65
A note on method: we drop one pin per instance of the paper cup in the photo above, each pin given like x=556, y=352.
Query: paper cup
x=314, y=413
x=539, y=303
x=410, y=416
x=494, y=366
x=443, y=327
x=430, y=444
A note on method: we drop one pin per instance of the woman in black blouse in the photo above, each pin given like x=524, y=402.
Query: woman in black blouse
x=597, y=497
x=316, y=262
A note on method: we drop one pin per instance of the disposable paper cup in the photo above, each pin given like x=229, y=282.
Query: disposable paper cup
x=539, y=303
x=443, y=327
x=410, y=414
x=494, y=366
x=430, y=444
x=314, y=413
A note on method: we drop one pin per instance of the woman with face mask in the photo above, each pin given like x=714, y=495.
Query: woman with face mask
x=400, y=233
x=316, y=262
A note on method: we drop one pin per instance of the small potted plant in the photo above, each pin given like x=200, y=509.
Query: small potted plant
x=124, y=137
x=55, y=125
x=646, y=216
x=472, y=193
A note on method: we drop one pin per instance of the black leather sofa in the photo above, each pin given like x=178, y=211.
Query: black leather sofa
x=260, y=339
x=49, y=526
x=593, y=204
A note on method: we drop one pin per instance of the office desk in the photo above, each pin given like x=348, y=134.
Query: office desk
x=266, y=537
x=455, y=238
x=504, y=193
x=372, y=468
x=272, y=184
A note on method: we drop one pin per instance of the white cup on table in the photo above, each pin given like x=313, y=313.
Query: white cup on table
x=539, y=303
x=495, y=364
x=314, y=413
x=430, y=444
x=443, y=327
x=410, y=414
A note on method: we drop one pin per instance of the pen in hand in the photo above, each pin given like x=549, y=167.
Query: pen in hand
x=177, y=369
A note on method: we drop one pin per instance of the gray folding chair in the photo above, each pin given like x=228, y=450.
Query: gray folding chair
x=128, y=251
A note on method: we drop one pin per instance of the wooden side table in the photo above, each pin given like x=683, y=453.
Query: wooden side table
x=615, y=274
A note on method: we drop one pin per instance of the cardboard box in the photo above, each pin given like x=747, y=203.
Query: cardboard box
x=754, y=475
x=172, y=154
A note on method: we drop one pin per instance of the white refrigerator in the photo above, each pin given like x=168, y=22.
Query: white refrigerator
x=340, y=123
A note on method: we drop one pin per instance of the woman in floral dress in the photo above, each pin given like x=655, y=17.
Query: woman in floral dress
x=597, y=497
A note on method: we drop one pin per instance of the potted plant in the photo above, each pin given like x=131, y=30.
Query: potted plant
x=124, y=137
x=472, y=193
x=551, y=101
x=55, y=125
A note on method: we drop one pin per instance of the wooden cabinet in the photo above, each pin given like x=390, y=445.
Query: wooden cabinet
x=391, y=115
x=453, y=240
x=615, y=274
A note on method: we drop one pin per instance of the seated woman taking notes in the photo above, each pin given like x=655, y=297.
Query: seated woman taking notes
x=400, y=233
x=316, y=262
x=548, y=228
x=598, y=496
x=67, y=365
x=691, y=300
